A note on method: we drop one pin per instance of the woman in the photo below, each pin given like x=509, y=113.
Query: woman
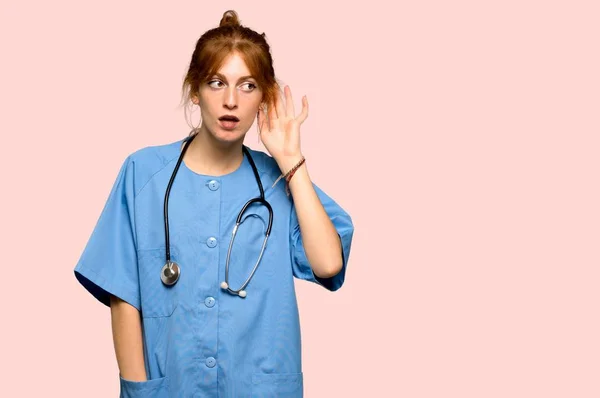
x=216, y=313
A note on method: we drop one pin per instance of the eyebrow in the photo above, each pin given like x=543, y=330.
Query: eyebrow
x=240, y=79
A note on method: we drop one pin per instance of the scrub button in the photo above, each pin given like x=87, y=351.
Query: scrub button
x=213, y=185
x=209, y=302
x=211, y=362
x=211, y=242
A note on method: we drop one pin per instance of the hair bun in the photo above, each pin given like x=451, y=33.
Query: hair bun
x=230, y=17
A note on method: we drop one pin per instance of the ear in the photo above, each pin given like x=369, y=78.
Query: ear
x=195, y=99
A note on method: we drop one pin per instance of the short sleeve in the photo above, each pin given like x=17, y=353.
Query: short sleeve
x=108, y=264
x=343, y=224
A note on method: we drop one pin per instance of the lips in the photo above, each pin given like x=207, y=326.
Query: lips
x=228, y=122
x=230, y=118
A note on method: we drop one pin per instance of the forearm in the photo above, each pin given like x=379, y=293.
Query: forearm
x=127, y=338
x=319, y=236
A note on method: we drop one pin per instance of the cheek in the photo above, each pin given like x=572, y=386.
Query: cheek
x=211, y=107
x=250, y=111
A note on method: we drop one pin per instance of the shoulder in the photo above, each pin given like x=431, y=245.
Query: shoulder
x=144, y=163
x=265, y=163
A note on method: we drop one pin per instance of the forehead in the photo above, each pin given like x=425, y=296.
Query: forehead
x=234, y=67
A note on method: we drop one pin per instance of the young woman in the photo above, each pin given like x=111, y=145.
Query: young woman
x=199, y=242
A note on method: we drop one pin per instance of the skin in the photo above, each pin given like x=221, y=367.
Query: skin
x=127, y=339
x=216, y=151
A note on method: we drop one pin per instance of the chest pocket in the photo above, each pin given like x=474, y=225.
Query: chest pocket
x=158, y=299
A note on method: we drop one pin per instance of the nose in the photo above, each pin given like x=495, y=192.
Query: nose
x=230, y=97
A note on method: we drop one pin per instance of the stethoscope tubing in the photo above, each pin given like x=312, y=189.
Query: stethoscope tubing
x=171, y=271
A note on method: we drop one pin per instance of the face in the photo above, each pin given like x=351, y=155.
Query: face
x=230, y=92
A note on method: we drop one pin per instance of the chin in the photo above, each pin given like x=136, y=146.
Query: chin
x=228, y=135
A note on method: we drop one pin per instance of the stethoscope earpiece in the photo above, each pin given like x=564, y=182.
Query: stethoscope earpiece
x=241, y=293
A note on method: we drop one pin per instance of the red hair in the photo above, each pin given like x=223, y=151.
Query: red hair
x=216, y=44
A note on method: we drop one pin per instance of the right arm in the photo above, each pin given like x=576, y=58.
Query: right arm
x=127, y=338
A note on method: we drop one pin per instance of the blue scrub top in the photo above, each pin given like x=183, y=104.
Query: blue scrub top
x=199, y=340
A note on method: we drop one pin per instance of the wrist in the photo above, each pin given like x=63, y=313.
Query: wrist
x=299, y=174
x=289, y=166
x=286, y=163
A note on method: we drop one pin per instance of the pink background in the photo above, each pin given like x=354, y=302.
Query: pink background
x=463, y=138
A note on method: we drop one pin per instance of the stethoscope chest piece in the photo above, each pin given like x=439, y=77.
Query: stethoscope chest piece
x=170, y=273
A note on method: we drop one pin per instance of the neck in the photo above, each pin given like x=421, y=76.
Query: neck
x=205, y=155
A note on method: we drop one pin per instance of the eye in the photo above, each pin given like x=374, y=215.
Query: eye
x=253, y=86
x=214, y=81
x=215, y=84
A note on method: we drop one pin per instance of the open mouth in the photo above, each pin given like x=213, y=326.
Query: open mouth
x=229, y=122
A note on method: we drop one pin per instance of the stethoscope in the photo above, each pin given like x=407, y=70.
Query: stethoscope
x=171, y=271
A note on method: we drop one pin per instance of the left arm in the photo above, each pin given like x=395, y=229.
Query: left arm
x=319, y=236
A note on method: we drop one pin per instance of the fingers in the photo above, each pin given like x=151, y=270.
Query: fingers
x=272, y=113
x=276, y=110
x=304, y=114
x=262, y=121
x=289, y=103
x=279, y=106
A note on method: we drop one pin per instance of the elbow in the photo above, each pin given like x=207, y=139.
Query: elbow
x=331, y=270
x=333, y=267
